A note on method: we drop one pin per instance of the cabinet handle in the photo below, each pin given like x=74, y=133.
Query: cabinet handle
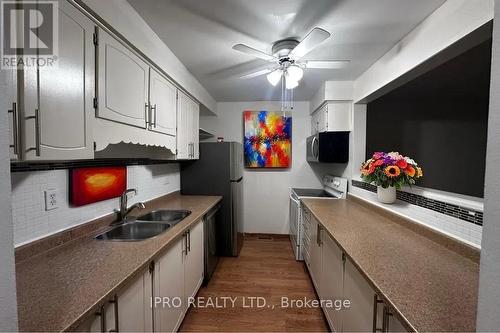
x=147, y=113
x=153, y=111
x=14, y=128
x=376, y=302
x=36, y=117
x=188, y=249
x=385, y=320
x=318, y=234
x=184, y=250
x=114, y=301
x=102, y=313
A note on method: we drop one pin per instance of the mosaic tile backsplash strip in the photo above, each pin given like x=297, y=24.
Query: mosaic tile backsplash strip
x=465, y=214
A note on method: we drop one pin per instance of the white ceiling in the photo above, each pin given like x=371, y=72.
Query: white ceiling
x=201, y=33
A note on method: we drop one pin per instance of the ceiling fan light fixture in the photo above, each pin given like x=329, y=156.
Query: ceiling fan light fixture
x=295, y=73
x=274, y=77
x=291, y=84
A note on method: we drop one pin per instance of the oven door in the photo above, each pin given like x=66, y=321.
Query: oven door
x=312, y=148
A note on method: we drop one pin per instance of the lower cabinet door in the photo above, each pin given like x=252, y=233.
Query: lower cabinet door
x=134, y=305
x=394, y=325
x=193, y=267
x=169, y=304
x=359, y=317
x=332, y=281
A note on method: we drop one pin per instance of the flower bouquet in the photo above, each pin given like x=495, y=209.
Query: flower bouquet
x=390, y=171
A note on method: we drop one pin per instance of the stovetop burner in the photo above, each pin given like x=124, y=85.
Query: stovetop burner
x=313, y=193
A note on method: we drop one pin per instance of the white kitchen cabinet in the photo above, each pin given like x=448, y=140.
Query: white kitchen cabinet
x=162, y=103
x=58, y=102
x=315, y=254
x=332, y=279
x=128, y=311
x=193, y=265
x=188, y=112
x=9, y=102
x=359, y=317
x=134, y=305
x=178, y=276
x=123, y=83
x=394, y=325
x=334, y=116
x=169, y=286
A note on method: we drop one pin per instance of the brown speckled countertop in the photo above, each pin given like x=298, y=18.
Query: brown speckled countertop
x=429, y=283
x=58, y=288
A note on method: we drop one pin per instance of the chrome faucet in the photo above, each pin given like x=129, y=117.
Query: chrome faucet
x=124, y=211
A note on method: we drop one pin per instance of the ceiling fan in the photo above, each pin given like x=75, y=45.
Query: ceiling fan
x=287, y=54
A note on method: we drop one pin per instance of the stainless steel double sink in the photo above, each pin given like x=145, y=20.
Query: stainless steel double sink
x=145, y=226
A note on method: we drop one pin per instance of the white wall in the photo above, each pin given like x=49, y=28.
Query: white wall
x=32, y=222
x=8, y=304
x=449, y=23
x=123, y=18
x=266, y=192
x=488, y=318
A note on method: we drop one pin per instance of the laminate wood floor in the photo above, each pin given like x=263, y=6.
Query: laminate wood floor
x=266, y=268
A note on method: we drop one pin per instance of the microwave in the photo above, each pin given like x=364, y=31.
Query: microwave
x=328, y=147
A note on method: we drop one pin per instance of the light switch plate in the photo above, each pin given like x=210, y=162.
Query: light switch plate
x=50, y=199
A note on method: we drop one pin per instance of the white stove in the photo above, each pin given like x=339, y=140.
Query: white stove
x=333, y=188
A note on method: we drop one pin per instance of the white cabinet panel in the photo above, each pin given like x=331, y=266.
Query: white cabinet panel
x=9, y=102
x=394, y=325
x=195, y=131
x=193, y=273
x=183, y=112
x=134, y=310
x=188, y=113
x=123, y=83
x=332, y=280
x=169, y=286
x=58, y=101
x=359, y=317
x=332, y=117
x=163, y=104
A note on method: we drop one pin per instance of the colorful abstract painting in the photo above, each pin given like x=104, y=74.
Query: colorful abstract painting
x=268, y=139
x=89, y=185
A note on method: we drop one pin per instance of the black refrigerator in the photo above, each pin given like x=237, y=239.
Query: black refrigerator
x=219, y=171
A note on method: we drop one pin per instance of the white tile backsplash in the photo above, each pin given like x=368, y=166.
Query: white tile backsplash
x=32, y=222
x=462, y=230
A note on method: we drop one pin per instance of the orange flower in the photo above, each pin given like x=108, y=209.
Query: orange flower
x=378, y=163
x=367, y=169
x=402, y=164
x=392, y=171
x=410, y=171
x=419, y=172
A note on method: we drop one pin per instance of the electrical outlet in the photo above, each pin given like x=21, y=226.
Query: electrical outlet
x=50, y=199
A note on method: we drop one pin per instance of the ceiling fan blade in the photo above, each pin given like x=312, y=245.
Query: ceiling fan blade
x=254, y=52
x=257, y=73
x=326, y=64
x=313, y=38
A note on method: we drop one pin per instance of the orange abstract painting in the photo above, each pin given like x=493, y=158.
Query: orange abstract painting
x=89, y=185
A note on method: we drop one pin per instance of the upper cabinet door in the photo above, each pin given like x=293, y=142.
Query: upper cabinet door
x=123, y=83
x=195, y=139
x=163, y=104
x=183, y=130
x=58, y=101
